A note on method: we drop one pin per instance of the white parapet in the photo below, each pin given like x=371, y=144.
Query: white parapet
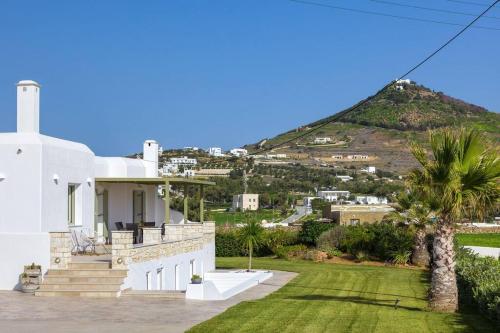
x=223, y=285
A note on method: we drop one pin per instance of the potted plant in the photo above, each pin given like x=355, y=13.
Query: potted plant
x=33, y=269
x=196, y=279
x=26, y=284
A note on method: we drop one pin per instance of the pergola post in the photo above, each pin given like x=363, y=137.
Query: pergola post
x=167, y=202
x=202, y=203
x=186, y=203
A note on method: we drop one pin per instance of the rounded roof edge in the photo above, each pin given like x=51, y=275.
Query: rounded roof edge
x=28, y=83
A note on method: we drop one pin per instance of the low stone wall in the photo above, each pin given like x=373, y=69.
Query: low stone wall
x=179, y=238
x=60, y=249
x=467, y=229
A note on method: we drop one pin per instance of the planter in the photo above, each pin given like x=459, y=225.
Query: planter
x=29, y=288
x=196, y=281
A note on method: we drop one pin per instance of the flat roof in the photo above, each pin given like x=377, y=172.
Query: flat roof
x=154, y=180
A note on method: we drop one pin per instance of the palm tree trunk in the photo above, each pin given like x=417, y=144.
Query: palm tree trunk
x=443, y=293
x=420, y=256
x=250, y=250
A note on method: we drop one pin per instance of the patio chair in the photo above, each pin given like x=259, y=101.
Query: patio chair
x=86, y=242
x=76, y=246
x=162, y=231
x=119, y=226
x=150, y=224
x=135, y=228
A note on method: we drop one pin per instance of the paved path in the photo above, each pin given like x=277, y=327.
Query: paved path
x=485, y=251
x=300, y=211
x=26, y=313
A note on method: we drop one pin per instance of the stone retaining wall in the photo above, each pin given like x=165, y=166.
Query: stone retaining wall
x=60, y=249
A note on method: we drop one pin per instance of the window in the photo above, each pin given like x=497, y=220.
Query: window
x=354, y=221
x=176, y=277
x=71, y=204
x=192, y=269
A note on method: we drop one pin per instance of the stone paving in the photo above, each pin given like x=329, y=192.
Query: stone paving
x=26, y=313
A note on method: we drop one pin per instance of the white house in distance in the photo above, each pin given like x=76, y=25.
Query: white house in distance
x=370, y=200
x=245, y=202
x=215, y=151
x=344, y=178
x=240, y=152
x=54, y=191
x=174, y=164
x=322, y=141
x=333, y=195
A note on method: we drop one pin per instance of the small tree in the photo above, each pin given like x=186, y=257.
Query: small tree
x=251, y=235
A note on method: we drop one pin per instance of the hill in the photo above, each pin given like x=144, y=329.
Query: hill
x=381, y=128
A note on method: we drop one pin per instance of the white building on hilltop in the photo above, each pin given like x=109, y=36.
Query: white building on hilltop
x=322, y=141
x=215, y=151
x=56, y=196
x=245, y=202
x=240, y=152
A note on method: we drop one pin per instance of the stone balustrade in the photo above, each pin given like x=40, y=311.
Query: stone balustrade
x=179, y=238
x=60, y=249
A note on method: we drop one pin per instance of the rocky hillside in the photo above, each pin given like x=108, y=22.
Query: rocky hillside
x=383, y=127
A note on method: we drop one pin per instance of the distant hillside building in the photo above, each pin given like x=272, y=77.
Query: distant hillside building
x=213, y=172
x=246, y=202
x=215, y=151
x=370, y=200
x=240, y=152
x=331, y=196
x=322, y=141
x=356, y=214
x=184, y=160
x=344, y=178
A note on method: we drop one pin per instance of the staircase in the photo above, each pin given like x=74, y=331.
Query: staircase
x=165, y=294
x=83, y=279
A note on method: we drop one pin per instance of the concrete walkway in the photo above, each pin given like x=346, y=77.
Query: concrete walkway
x=485, y=251
x=26, y=313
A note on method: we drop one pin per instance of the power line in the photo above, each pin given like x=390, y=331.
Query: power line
x=438, y=10
x=369, y=12
x=479, y=4
x=341, y=114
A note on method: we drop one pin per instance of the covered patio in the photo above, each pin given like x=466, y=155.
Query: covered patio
x=124, y=203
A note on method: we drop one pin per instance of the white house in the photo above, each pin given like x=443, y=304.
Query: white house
x=246, y=202
x=240, y=152
x=322, y=141
x=370, y=200
x=344, y=178
x=54, y=191
x=215, y=151
x=333, y=195
x=184, y=160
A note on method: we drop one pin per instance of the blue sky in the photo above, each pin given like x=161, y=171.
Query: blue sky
x=224, y=73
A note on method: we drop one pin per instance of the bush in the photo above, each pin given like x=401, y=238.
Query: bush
x=311, y=230
x=330, y=251
x=401, y=257
x=332, y=238
x=287, y=252
x=478, y=281
x=315, y=255
x=227, y=243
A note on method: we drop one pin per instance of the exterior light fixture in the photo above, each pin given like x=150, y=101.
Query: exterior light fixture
x=56, y=178
x=19, y=151
x=57, y=260
x=89, y=181
x=2, y=177
x=119, y=261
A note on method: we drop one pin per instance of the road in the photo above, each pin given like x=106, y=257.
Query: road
x=300, y=211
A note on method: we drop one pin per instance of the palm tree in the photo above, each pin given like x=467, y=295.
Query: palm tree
x=417, y=213
x=461, y=179
x=251, y=236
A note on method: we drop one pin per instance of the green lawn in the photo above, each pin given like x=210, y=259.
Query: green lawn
x=488, y=240
x=239, y=217
x=340, y=298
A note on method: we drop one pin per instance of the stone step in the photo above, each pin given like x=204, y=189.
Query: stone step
x=80, y=286
x=77, y=293
x=88, y=272
x=82, y=279
x=90, y=265
x=171, y=294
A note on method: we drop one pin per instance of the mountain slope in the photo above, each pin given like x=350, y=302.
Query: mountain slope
x=382, y=128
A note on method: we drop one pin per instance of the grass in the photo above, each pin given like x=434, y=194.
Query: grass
x=340, y=298
x=239, y=217
x=488, y=240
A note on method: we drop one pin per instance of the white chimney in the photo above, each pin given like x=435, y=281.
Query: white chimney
x=150, y=154
x=28, y=107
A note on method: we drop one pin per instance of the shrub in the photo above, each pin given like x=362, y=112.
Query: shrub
x=227, y=243
x=332, y=238
x=357, y=239
x=330, y=251
x=280, y=237
x=361, y=256
x=287, y=252
x=401, y=257
x=311, y=230
x=315, y=255
x=478, y=281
